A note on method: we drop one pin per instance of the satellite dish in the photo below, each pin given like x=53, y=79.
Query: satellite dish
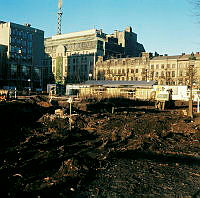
x=59, y=4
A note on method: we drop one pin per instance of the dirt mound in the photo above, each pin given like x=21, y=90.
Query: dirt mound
x=129, y=153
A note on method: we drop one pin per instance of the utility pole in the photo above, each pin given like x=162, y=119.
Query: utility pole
x=192, y=59
x=70, y=113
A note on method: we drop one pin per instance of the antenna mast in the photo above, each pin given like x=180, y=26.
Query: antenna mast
x=59, y=16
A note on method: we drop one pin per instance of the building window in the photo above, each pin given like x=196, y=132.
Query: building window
x=132, y=71
x=152, y=66
x=156, y=75
x=13, y=71
x=25, y=72
x=173, y=65
x=168, y=74
x=168, y=66
x=29, y=44
x=12, y=49
x=162, y=66
x=136, y=71
x=173, y=73
x=157, y=66
x=74, y=68
x=119, y=71
x=30, y=37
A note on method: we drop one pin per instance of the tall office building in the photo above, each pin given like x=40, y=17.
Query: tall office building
x=25, y=53
x=3, y=51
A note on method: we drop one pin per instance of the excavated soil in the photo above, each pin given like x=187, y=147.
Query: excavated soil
x=135, y=151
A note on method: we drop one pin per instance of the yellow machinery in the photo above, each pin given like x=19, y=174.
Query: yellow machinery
x=3, y=95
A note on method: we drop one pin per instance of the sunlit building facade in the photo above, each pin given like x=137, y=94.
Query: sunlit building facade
x=166, y=70
x=71, y=58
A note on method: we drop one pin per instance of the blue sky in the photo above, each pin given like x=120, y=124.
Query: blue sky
x=166, y=26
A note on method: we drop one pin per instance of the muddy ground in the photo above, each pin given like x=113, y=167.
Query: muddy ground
x=135, y=151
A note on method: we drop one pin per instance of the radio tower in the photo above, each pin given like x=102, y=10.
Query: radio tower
x=59, y=16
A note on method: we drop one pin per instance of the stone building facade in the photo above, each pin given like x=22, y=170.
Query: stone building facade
x=134, y=69
x=166, y=70
x=71, y=58
x=25, y=54
x=174, y=70
x=127, y=39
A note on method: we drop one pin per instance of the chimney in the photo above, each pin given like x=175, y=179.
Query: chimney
x=115, y=33
x=27, y=24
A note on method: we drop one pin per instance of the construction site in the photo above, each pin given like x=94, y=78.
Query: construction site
x=113, y=147
x=116, y=122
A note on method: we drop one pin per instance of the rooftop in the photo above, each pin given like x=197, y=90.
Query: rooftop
x=74, y=34
x=109, y=83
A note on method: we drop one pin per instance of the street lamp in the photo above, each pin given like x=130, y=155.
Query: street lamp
x=90, y=76
x=29, y=80
x=192, y=59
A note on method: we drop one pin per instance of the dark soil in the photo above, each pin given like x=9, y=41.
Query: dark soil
x=135, y=152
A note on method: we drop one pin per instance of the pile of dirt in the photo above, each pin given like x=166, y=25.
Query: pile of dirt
x=132, y=152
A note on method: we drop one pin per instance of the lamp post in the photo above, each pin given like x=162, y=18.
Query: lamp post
x=192, y=59
x=90, y=76
x=29, y=80
x=70, y=113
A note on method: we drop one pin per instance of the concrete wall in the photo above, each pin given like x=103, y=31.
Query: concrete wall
x=4, y=33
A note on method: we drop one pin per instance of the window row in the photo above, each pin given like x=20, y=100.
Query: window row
x=123, y=78
x=21, y=34
x=19, y=50
x=20, y=42
x=122, y=71
x=73, y=69
x=163, y=74
x=17, y=57
x=163, y=66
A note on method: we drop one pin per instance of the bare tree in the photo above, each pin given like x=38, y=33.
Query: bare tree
x=196, y=8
